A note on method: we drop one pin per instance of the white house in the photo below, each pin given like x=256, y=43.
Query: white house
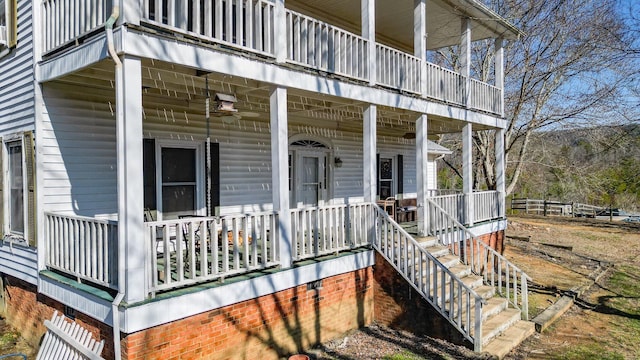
x=168, y=162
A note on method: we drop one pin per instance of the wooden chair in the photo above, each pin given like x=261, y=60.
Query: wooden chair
x=389, y=205
x=66, y=340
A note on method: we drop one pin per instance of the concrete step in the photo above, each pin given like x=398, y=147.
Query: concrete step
x=497, y=324
x=427, y=241
x=437, y=250
x=500, y=345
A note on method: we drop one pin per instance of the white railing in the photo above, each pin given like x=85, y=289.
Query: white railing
x=453, y=204
x=485, y=97
x=398, y=69
x=508, y=280
x=83, y=247
x=198, y=249
x=446, y=292
x=329, y=229
x=66, y=20
x=322, y=46
x=246, y=24
x=443, y=84
x=486, y=206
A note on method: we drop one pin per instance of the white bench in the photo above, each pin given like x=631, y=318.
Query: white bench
x=66, y=340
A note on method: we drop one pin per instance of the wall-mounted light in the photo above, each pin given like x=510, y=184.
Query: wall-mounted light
x=338, y=162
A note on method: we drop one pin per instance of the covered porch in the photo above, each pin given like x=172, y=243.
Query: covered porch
x=291, y=176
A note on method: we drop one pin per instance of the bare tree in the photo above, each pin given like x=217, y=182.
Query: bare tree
x=569, y=69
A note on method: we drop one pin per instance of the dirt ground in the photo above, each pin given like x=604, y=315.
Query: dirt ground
x=594, y=260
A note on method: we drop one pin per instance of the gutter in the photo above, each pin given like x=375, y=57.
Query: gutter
x=108, y=26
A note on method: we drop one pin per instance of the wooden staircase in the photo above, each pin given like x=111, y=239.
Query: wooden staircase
x=502, y=327
x=463, y=279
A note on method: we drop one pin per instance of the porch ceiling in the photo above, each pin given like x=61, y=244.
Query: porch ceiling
x=181, y=90
x=394, y=20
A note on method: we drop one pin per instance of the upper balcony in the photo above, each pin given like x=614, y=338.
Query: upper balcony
x=306, y=35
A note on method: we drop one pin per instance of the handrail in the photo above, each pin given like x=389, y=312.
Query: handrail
x=430, y=278
x=482, y=258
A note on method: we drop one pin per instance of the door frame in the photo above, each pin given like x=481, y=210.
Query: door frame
x=296, y=153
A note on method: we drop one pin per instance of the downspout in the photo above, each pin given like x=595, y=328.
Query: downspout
x=115, y=313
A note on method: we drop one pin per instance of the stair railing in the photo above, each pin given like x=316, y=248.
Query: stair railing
x=508, y=280
x=430, y=278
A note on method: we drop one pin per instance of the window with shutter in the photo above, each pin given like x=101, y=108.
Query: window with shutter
x=8, y=24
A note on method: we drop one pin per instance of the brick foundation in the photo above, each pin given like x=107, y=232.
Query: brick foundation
x=26, y=311
x=267, y=327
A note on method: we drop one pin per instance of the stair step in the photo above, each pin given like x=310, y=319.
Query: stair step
x=427, y=241
x=510, y=338
x=438, y=250
x=492, y=307
x=485, y=291
x=450, y=260
x=497, y=324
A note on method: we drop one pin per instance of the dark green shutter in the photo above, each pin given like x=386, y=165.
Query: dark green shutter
x=400, y=176
x=214, y=153
x=30, y=162
x=2, y=232
x=149, y=173
x=378, y=175
x=12, y=23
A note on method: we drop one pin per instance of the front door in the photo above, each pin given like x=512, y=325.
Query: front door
x=311, y=176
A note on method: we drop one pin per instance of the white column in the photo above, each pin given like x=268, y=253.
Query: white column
x=280, y=31
x=422, y=173
x=420, y=40
x=280, y=172
x=132, y=245
x=369, y=178
x=499, y=70
x=467, y=171
x=465, y=57
x=500, y=174
x=368, y=9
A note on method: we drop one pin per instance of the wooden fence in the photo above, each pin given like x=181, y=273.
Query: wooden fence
x=553, y=208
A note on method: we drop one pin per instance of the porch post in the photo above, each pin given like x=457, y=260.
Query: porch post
x=465, y=59
x=280, y=31
x=280, y=172
x=368, y=10
x=369, y=150
x=500, y=175
x=420, y=40
x=131, y=11
x=467, y=172
x=132, y=242
x=499, y=71
x=422, y=159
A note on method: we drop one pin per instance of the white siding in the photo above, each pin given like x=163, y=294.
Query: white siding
x=79, y=152
x=19, y=262
x=16, y=78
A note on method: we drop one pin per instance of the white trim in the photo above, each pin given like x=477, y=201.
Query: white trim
x=488, y=228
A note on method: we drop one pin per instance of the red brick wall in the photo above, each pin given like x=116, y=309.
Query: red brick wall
x=26, y=311
x=268, y=327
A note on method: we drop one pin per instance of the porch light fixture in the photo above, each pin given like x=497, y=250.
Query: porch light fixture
x=225, y=103
x=338, y=162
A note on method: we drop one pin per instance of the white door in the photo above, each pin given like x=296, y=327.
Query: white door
x=311, y=187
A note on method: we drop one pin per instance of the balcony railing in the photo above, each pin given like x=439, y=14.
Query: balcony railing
x=85, y=248
x=321, y=46
x=248, y=25
x=486, y=205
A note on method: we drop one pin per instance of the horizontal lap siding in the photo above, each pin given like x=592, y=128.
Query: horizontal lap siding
x=16, y=78
x=79, y=152
x=79, y=138
x=20, y=262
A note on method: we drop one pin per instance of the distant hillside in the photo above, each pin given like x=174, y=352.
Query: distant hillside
x=599, y=165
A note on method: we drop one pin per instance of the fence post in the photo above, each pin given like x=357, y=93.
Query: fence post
x=544, y=208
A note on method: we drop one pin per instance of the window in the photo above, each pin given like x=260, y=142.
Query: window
x=8, y=24
x=385, y=178
x=16, y=188
x=179, y=191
